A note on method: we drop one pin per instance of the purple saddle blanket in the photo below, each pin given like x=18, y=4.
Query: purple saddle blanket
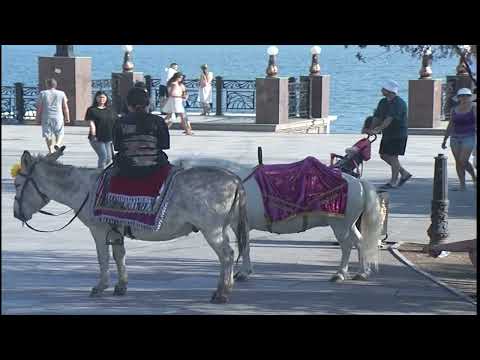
x=299, y=188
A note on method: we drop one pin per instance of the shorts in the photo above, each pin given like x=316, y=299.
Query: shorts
x=52, y=128
x=462, y=141
x=394, y=146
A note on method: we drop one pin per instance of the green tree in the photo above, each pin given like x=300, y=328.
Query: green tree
x=464, y=52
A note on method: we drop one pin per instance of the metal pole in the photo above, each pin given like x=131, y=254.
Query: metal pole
x=438, y=230
x=219, y=89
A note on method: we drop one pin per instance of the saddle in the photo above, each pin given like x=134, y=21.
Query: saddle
x=140, y=203
x=301, y=188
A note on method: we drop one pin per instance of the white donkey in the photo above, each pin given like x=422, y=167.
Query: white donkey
x=208, y=199
x=362, y=201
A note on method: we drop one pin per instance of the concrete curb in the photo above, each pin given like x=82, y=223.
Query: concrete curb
x=395, y=252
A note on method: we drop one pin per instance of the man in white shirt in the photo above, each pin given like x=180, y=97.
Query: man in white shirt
x=52, y=114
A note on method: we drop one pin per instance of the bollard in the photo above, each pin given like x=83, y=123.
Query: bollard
x=219, y=89
x=438, y=230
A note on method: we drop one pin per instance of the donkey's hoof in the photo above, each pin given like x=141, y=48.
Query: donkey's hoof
x=337, y=278
x=96, y=292
x=120, y=290
x=240, y=276
x=218, y=299
x=360, y=277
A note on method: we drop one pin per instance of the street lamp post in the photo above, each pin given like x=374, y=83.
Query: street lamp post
x=272, y=69
x=461, y=67
x=127, y=58
x=64, y=50
x=315, y=67
x=426, y=69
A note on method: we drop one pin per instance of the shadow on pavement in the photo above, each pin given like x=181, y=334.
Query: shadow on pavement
x=46, y=282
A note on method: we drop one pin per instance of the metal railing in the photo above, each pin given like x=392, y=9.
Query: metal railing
x=9, y=111
x=227, y=95
x=298, y=98
x=234, y=96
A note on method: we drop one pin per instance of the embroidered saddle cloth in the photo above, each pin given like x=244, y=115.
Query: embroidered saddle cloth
x=302, y=187
x=138, y=202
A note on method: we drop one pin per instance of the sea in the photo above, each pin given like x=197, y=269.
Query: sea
x=354, y=85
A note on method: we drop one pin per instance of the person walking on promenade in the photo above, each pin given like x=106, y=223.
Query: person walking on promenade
x=140, y=138
x=174, y=104
x=169, y=72
x=205, y=93
x=462, y=129
x=185, y=100
x=52, y=113
x=391, y=117
x=101, y=119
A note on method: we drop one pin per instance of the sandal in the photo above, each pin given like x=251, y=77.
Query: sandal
x=404, y=180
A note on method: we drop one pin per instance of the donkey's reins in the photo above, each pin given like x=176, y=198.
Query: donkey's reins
x=44, y=197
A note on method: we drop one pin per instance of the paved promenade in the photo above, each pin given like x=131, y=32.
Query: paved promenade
x=53, y=273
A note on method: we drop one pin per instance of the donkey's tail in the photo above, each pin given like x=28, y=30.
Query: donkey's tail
x=242, y=224
x=371, y=223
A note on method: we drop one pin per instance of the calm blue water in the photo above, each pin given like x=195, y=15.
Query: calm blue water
x=355, y=86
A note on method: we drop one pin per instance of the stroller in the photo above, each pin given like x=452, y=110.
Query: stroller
x=352, y=162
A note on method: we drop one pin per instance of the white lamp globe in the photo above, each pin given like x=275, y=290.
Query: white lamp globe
x=315, y=50
x=272, y=50
x=127, y=48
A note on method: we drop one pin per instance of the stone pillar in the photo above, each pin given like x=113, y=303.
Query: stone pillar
x=272, y=100
x=320, y=95
x=74, y=77
x=424, y=103
x=121, y=83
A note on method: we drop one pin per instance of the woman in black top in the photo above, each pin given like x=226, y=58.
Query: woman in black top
x=101, y=118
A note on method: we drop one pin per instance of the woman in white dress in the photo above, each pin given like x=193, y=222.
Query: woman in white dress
x=205, y=93
x=174, y=104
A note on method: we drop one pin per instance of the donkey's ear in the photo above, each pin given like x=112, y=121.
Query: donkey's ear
x=58, y=152
x=26, y=159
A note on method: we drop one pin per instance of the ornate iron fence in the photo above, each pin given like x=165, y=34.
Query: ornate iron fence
x=102, y=84
x=239, y=95
x=235, y=95
x=8, y=103
x=30, y=97
x=298, y=98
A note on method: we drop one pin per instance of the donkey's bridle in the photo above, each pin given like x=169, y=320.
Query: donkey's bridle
x=44, y=197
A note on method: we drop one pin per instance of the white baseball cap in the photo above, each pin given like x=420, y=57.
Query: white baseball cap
x=462, y=91
x=391, y=86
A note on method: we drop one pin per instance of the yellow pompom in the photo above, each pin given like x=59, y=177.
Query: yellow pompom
x=15, y=169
